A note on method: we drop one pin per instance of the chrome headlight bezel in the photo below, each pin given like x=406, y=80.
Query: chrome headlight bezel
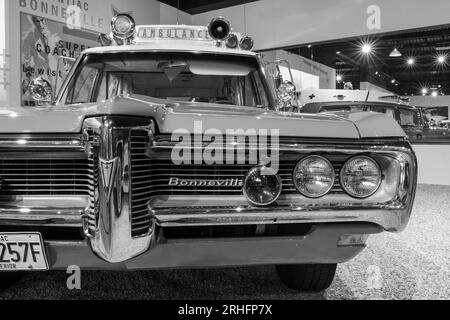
x=320, y=195
x=350, y=193
x=258, y=170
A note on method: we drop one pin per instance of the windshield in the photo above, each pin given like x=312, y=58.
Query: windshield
x=205, y=78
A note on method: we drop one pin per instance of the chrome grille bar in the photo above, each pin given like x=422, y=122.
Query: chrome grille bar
x=48, y=177
x=154, y=180
x=45, y=180
x=141, y=219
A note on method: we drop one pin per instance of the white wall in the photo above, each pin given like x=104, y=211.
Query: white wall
x=429, y=101
x=434, y=164
x=434, y=160
x=326, y=75
x=280, y=23
x=170, y=15
x=372, y=87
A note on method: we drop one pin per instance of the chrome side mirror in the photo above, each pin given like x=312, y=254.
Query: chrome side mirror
x=41, y=91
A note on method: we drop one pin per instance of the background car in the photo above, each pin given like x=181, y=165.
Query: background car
x=411, y=119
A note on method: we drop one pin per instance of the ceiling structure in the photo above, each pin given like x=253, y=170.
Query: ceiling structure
x=421, y=48
x=417, y=68
x=201, y=6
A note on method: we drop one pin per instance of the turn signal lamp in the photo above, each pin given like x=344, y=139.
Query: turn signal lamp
x=232, y=41
x=247, y=43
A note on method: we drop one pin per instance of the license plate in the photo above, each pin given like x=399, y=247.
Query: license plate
x=22, y=252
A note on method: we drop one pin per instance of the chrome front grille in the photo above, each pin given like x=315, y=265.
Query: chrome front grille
x=141, y=173
x=93, y=160
x=156, y=174
x=44, y=177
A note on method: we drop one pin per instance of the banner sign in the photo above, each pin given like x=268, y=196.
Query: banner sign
x=43, y=41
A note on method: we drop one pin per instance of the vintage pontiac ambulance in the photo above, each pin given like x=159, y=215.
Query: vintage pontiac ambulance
x=168, y=148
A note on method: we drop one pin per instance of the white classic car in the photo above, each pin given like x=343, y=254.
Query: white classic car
x=166, y=148
x=413, y=121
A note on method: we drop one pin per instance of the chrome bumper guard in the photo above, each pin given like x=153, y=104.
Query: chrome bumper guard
x=318, y=246
x=177, y=212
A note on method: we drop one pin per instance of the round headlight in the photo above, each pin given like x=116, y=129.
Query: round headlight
x=314, y=176
x=361, y=177
x=262, y=186
x=123, y=26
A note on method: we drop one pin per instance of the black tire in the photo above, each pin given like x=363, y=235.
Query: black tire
x=8, y=279
x=307, y=277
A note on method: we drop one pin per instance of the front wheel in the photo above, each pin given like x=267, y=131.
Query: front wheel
x=307, y=277
x=7, y=279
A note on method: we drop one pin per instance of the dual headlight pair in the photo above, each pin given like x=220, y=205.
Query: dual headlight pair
x=315, y=176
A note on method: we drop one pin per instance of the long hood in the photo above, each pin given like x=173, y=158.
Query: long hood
x=172, y=117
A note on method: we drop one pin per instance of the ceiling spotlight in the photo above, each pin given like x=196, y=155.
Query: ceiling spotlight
x=339, y=78
x=309, y=46
x=366, y=48
x=424, y=91
x=411, y=61
x=441, y=59
x=338, y=52
x=395, y=53
x=393, y=81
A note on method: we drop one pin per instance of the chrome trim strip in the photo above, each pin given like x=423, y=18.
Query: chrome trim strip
x=168, y=145
x=390, y=219
x=37, y=218
x=55, y=211
x=21, y=141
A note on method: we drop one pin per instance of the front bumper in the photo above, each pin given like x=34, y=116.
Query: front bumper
x=318, y=246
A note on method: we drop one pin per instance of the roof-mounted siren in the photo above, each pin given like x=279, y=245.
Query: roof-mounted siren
x=123, y=29
x=219, y=29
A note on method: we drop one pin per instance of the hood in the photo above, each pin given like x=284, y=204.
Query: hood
x=171, y=116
